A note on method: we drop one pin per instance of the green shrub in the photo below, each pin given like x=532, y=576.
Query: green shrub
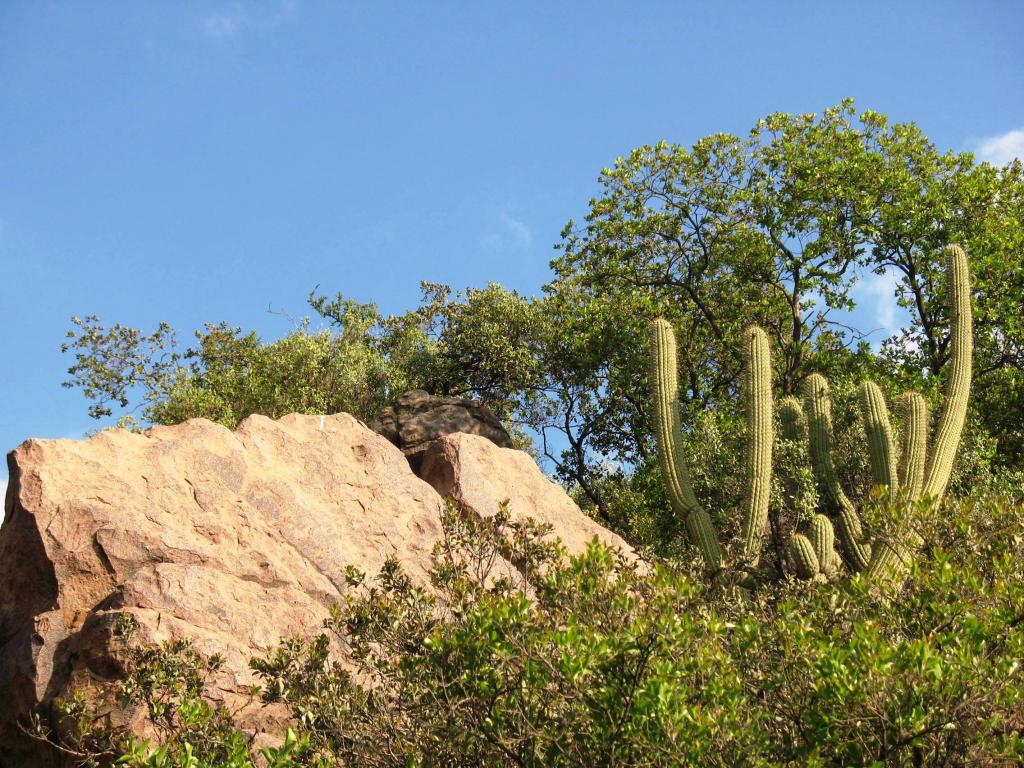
x=599, y=661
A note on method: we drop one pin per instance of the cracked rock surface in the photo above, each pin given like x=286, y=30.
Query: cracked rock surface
x=232, y=539
x=418, y=418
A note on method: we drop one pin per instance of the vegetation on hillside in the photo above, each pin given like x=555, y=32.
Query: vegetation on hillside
x=595, y=661
x=771, y=229
x=611, y=665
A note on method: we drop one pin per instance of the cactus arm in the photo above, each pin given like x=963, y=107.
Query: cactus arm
x=822, y=538
x=757, y=383
x=958, y=382
x=791, y=415
x=891, y=556
x=703, y=534
x=914, y=414
x=801, y=552
x=832, y=566
x=669, y=439
x=819, y=429
x=851, y=535
x=887, y=559
x=879, y=433
x=668, y=430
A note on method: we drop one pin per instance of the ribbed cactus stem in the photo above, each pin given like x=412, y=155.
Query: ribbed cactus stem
x=703, y=534
x=757, y=386
x=832, y=566
x=822, y=538
x=879, y=433
x=669, y=438
x=801, y=552
x=818, y=407
x=890, y=558
x=914, y=414
x=958, y=378
x=791, y=415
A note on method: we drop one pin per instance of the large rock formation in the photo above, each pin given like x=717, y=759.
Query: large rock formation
x=418, y=418
x=480, y=476
x=231, y=539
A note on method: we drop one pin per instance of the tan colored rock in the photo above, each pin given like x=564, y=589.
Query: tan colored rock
x=480, y=476
x=231, y=539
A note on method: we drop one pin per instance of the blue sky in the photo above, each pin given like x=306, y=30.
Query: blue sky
x=203, y=161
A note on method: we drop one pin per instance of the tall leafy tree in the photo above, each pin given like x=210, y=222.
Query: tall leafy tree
x=774, y=228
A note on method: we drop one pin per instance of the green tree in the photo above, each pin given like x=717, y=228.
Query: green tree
x=775, y=229
x=480, y=343
x=356, y=364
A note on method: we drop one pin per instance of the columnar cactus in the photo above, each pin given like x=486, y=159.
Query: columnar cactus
x=819, y=424
x=757, y=386
x=891, y=556
x=914, y=414
x=803, y=557
x=814, y=554
x=958, y=380
x=791, y=414
x=669, y=438
x=915, y=473
x=879, y=432
x=823, y=539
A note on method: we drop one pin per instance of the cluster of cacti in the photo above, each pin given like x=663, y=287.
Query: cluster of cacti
x=815, y=553
x=907, y=478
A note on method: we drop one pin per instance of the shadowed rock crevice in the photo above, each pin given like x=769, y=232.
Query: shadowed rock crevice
x=418, y=418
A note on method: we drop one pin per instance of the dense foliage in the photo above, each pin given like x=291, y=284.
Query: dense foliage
x=512, y=656
x=774, y=228
x=599, y=661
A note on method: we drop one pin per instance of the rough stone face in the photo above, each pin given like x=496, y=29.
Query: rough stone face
x=480, y=475
x=232, y=539
x=418, y=418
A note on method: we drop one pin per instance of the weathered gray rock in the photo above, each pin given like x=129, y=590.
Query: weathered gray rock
x=418, y=418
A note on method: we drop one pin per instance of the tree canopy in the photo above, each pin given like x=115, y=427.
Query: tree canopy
x=775, y=228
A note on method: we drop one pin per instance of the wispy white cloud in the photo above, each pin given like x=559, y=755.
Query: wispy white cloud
x=225, y=24
x=506, y=231
x=518, y=230
x=881, y=290
x=236, y=18
x=999, y=150
x=3, y=492
x=876, y=295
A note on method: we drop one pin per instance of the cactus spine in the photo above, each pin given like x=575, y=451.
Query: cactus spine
x=757, y=385
x=669, y=438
